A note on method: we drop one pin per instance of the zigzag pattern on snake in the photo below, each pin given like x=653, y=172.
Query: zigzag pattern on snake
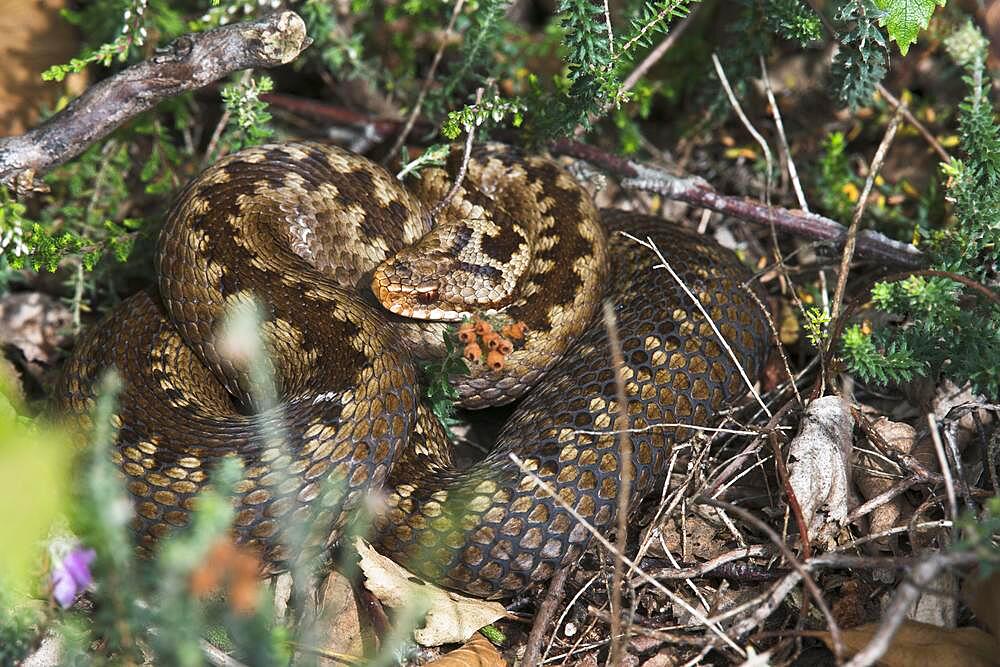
x=304, y=229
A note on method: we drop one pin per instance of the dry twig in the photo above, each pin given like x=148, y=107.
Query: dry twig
x=859, y=210
x=793, y=173
x=189, y=62
x=698, y=192
x=654, y=56
x=949, y=484
x=757, y=136
x=463, y=168
x=546, y=610
x=428, y=80
x=809, y=582
x=619, y=636
x=920, y=576
x=603, y=541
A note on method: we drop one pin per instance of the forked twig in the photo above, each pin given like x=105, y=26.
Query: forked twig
x=628, y=561
x=188, y=63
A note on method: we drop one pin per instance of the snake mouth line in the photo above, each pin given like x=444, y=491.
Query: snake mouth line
x=412, y=302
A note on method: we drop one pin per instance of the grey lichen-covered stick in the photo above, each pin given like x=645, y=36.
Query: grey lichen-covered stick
x=189, y=62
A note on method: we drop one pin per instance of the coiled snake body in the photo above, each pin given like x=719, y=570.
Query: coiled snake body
x=298, y=227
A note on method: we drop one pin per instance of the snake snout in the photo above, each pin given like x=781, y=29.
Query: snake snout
x=398, y=290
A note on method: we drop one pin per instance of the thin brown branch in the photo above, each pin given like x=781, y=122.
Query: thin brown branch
x=603, y=541
x=906, y=595
x=428, y=80
x=757, y=136
x=543, y=617
x=896, y=104
x=189, y=62
x=379, y=126
x=871, y=505
x=793, y=501
x=893, y=101
x=698, y=192
x=463, y=168
x=619, y=635
x=949, y=484
x=779, y=125
x=859, y=211
x=700, y=570
x=807, y=579
x=656, y=54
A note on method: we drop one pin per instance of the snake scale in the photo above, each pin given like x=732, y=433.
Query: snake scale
x=318, y=237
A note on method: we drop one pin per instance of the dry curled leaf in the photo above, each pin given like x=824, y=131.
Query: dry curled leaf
x=34, y=323
x=477, y=652
x=923, y=645
x=451, y=618
x=874, y=475
x=819, y=464
x=331, y=619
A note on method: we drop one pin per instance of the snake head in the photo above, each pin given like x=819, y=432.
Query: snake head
x=416, y=287
x=444, y=276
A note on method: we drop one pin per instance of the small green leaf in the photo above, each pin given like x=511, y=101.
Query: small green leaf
x=905, y=18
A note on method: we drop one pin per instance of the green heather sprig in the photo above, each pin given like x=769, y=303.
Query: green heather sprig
x=133, y=33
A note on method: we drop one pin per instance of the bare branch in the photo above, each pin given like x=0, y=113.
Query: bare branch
x=428, y=80
x=859, y=210
x=543, y=617
x=189, y=62
x=698, y=192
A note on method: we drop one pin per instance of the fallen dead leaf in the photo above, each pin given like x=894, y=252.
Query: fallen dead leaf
x=692, y=540
x=34, y=323
x=331, y=620
x=451, y=618
x=477, y=652
x=819, y=465
x=874, y=475
x=923, y=645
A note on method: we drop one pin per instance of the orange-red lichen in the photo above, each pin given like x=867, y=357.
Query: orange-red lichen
x=467, y=332
x=472, y=352
x=495, y=360
x=515, y=330
x=504, y=346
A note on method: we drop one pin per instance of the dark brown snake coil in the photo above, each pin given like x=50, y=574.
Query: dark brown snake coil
x=299, y=227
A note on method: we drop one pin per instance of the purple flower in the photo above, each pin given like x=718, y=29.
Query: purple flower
x=72, y=575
